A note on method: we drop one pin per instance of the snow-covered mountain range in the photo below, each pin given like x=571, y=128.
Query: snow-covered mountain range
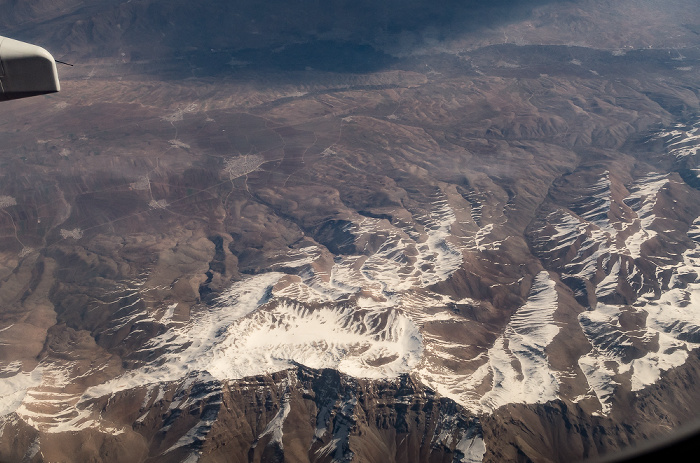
x=483, y=248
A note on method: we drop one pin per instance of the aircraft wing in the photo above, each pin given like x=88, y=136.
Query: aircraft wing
x=25, y=70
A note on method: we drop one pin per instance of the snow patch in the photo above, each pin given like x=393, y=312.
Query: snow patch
x=600, y=379
x=13, y=389
x=529, y=332
x=276, y=425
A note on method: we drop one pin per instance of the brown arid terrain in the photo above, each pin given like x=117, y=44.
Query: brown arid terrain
x=295, y=231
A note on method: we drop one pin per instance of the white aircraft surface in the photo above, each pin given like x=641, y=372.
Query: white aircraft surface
x=25, y=70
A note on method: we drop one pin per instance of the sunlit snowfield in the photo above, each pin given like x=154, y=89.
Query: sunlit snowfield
x=509, y=220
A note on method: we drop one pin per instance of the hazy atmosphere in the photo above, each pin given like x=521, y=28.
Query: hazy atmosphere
x=331, y=231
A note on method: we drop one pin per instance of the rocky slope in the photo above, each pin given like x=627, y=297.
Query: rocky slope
x=480, y=245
